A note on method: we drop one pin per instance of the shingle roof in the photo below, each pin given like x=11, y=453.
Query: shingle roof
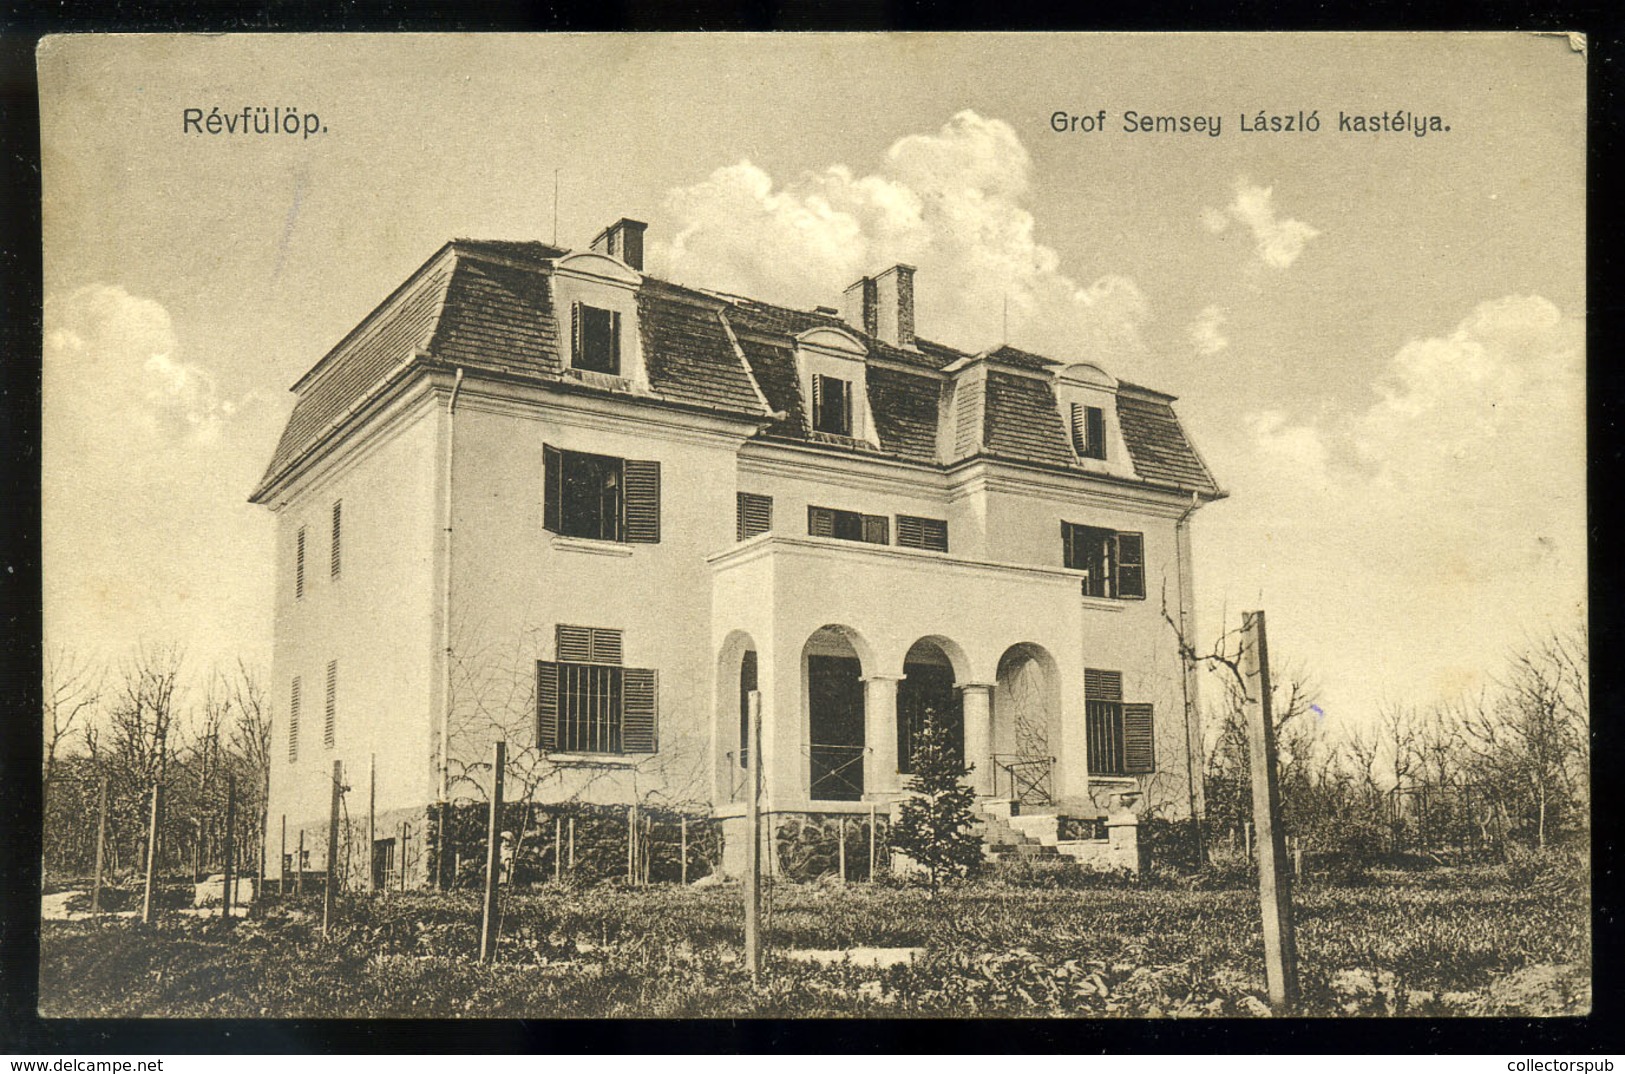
x=487, y=306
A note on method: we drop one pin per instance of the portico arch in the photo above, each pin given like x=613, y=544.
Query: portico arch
x=737, y=675
x=930, y=683
x=834, y=661
x=1026, y=722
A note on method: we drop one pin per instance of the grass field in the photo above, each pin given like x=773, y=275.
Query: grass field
x=1481, y=941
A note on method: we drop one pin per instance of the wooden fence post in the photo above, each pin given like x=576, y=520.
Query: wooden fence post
x=101, y=841
x=152, y=857
x=558, y=848
x=331, y=893
x=282, y=862
x=631, y=843
x=753, y=833
x=841, y=849
x=683, y=836
x=493, y=856
x=1274, y=880
x=400, y=860
x=299, y=866
x=372, y=807
x=231, y=846
x=572, y=847
x=873, y=835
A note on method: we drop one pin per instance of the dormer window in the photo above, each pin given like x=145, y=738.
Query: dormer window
x=832, y=405
x=597, y=340
x=1088, y=431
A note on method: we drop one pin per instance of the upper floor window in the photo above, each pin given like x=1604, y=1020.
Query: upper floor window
x=832, y=405
x=1113, y=564
x=930, y=534
x=754, y=515
x=587, y=702
x=847, y=525
x=1088, y=431
x=1119, y=735
x=600, y=496
x=597, y=339
x=338, y=508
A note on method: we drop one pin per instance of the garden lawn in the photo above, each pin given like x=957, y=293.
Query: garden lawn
x=1468, y=942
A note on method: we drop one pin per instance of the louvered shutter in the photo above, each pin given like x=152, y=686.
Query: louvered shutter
x=1101, y=685
x=338, y=507
x=575, y=333
x=930, y=534
x=293, y=722
x=1139, y=748
x=876, y=529
x=552, y=486
x=754, y=515
x=1130, y=559
x=330, y=724
x=615, y=342
x=1080, y=432
x=573, y=644
x=1069, y=551
x=818, y=401
x=299, y=565
x=820, y=522
x=547, y=705
x=642, y=501
x=1096, y=432
x=639, y=710
x=605, y=646
x=846, y=409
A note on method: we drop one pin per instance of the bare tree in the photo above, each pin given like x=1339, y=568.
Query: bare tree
x=73, y=689
x=251, y=749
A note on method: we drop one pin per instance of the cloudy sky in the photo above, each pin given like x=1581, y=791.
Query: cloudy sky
x=1377, y=339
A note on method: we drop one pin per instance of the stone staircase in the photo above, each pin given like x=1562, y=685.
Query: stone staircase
x=1003, y=841
x=1012, y=832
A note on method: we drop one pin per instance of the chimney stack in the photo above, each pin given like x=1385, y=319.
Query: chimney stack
x=623, y=239
x=883, y=306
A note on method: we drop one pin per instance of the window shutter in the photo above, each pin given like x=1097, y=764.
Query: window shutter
x=1069, y=552
x=820, y=522
x=605, y=646
x=754, y=515
x=330, y=725
x=552, y=487
x=573, y=644
x=1096, y=432
x=299, y=565
x=1130, y=559
x=930, y=534
x=846, y=410
x=1080, y=432
x=818, y=400
x=575, y=333
x=642, y=501
x=338, y=507
x=639, y=709
x=547, y=705
x=876, y=529
x=1139, y=743
x=293, y=722
x=615, y=341
x=1101, y=685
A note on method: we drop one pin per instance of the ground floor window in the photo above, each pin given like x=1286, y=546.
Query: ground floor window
x=1119, y=734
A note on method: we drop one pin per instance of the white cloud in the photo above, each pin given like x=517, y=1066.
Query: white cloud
x=1207, y=331
x=1277, y=242
x=952, y=203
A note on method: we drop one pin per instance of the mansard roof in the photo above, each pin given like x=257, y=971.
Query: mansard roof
x=486, y=306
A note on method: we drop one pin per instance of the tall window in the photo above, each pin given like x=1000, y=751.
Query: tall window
x=832, y=405
x=586, y=702
x=299, y=565
x=330, y=723
x=601, y=497
x=1119, y=735
x=1088, y=431
x=847, y=525
x=293, y=722
x=597, y=339
x=338, y=509
x=1113, y=564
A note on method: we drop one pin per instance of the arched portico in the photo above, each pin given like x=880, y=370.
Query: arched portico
x=832, y=664
x=737, y=676
x=1025, y=734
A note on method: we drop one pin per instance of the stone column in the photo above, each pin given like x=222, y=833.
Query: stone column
x=977, y=699
x=880, y=734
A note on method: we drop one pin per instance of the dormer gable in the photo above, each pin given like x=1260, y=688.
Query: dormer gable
x=596, y=299
x=1087, y=398
x=831, y=364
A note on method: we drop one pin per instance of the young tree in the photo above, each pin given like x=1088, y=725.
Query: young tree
x=935, y=824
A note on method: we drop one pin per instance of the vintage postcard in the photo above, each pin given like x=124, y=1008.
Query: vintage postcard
x=785, y=525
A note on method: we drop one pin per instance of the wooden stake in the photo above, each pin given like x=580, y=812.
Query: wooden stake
x=872, y=837
x=1274, y=880
x=152, y=858
x=753, y=835
x=372, y=814
x=558, y=849
x=841, y=850
x=400, y=860
x=231, y=846
x=683, y=834
x=282, y=861
x=299, y=875
x=101, y=841
x=572, y=848
x=631, y=843
x=332, y=886
x=493, y=855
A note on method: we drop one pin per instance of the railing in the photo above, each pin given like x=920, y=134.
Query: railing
x=1026, y=779
x=836, y=771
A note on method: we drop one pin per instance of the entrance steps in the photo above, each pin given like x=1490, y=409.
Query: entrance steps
x=1011, y=831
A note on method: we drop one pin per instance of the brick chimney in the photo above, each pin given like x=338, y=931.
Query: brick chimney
x=883, y=306
x=623, y=239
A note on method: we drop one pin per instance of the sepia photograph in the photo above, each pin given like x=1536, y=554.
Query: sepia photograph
x=866, y=526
